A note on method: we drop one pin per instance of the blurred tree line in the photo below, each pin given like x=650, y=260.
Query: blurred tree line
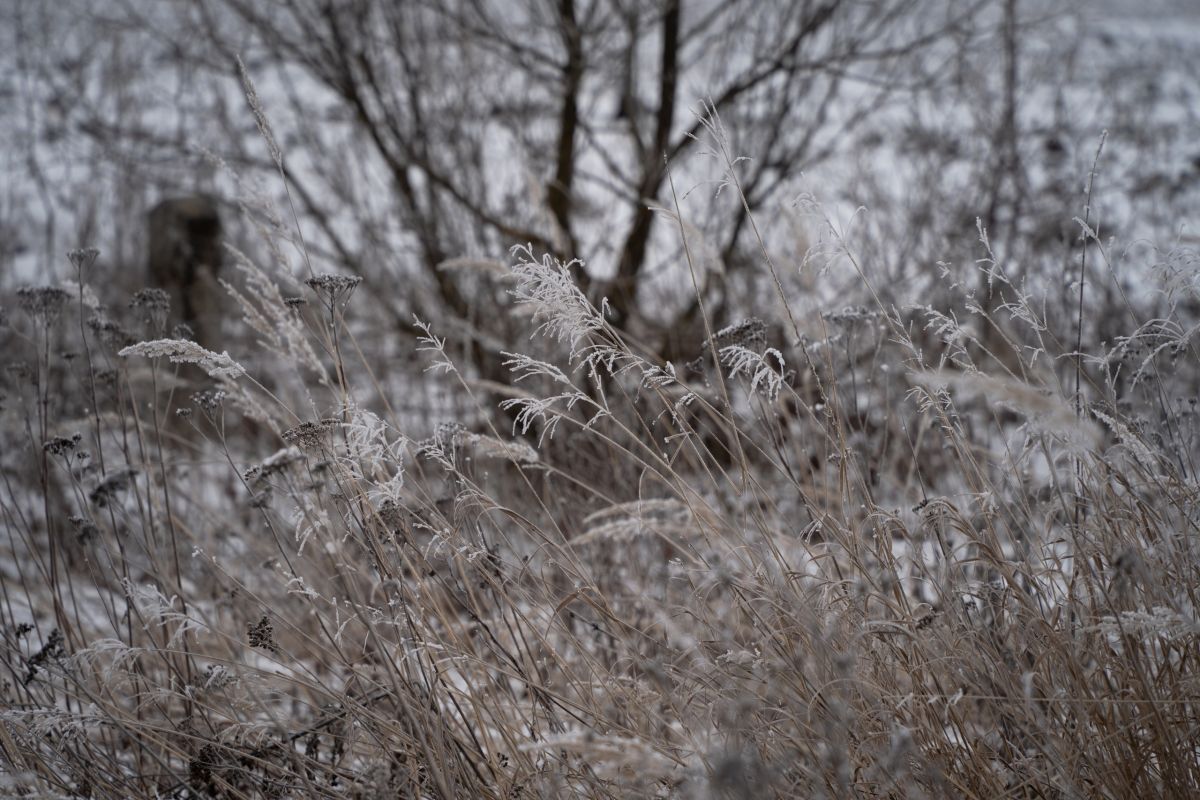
x=414, y=133
x=419, y=137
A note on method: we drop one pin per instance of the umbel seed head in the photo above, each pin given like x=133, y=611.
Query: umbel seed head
x=43, y=303
x=334, y=290
x=154, y=305
x=82, y=258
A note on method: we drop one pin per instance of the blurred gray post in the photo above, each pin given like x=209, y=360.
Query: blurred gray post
x=184, y=258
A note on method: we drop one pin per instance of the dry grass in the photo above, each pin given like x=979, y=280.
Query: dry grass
x=879, y=562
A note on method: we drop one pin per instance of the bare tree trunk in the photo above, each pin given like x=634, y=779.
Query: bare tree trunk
x=633, y=254
x=559, y=195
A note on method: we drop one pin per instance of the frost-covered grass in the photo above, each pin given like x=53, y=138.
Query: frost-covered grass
x=883, y=560
x=892, y=529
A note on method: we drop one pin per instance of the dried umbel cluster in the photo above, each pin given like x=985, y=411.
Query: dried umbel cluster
x=310, y=435
x=334, y=290
x=62, y=445
x=51, y=651
x=262, y=634
x=112, y=486
x=153, y=307
x=82, y=258
x=43, y=303
x=749, y=334
x=181, y=351
x=110, y=332
x=278, y=462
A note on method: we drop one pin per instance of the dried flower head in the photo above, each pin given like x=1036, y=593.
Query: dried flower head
x=295, y=303
x=447, y=434
x=749, y=334
x=262, y=634
x=52, y=650
x=113, y=484
x=309, y=435
x=82, y=258
x=153, y=305
x=109, y=332
x=216, y=677
x=851, y=315
x=272, y=465
x=442, y=445
x=62, y=445
x=106, y=377
x=85, y=530
x=393, y=515
x=43, y=303
x=180, y=351
x=515, y=450
x=201, y=767
x=209, y=401
x=334, y=290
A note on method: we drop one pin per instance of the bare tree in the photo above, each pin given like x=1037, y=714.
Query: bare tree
x=465, y=111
